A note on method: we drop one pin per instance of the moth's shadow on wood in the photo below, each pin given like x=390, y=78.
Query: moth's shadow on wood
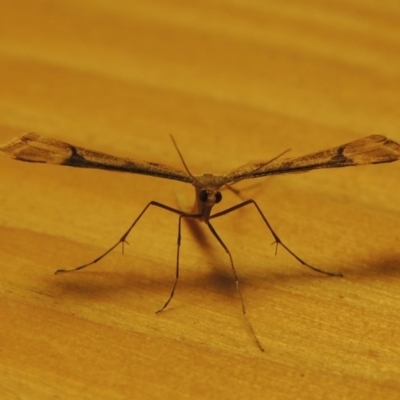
x=100, y=284
x=382, y=264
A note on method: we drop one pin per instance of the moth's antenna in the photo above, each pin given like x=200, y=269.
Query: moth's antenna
x=272, y=160
x=182, y=159
x=256, y=169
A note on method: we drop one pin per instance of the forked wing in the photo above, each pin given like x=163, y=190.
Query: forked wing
x=372, y=149
x=34, y=148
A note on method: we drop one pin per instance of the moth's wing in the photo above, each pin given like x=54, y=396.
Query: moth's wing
x=34, y=148
x=372, y=149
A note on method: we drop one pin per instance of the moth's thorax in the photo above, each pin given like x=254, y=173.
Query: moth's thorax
x=208, y=180
x=207, y=188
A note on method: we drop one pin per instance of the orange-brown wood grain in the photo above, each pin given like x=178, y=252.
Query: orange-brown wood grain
x=233, y=81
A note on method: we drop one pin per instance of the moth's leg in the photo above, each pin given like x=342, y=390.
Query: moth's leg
x=178, y=247
x=277, y=241
x=124, y=236
x=213, y=231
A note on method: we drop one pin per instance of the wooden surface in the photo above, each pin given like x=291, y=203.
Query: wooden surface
x=233, y=81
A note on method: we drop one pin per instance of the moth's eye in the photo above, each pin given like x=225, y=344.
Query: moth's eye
x=203, y=195
x=218, y=197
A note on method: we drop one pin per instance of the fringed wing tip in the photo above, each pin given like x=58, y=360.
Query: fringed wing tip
x=32, y=147
x=13, y=148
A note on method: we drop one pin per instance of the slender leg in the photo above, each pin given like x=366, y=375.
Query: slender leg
x=125, y=235
x=183, y=215
x=278, y=241
x=237, y=284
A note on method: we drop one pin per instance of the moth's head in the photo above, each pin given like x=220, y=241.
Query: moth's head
x=206, y=198
x=208, y=193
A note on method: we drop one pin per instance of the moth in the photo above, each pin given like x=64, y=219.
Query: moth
x=372, y=149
